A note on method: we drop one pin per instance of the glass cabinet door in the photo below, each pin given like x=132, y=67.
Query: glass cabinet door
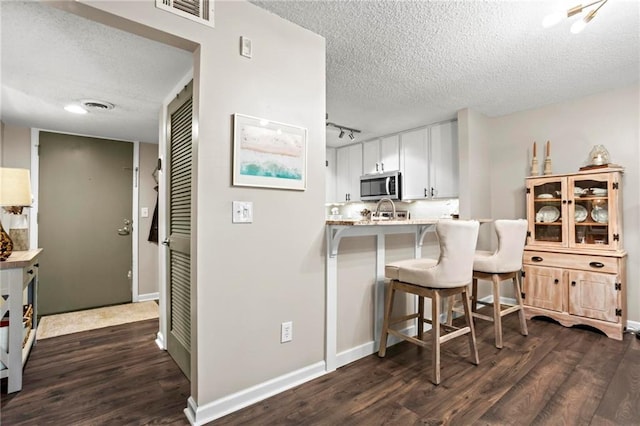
x=592, y=207
x=547, y=211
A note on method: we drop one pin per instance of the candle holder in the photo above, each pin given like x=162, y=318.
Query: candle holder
x=547, y=166
x=535, y=169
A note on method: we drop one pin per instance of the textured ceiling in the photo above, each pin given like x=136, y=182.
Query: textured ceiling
x=393, y=65
x=51, y=58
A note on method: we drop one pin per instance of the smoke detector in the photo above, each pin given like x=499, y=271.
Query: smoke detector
x=96, y=105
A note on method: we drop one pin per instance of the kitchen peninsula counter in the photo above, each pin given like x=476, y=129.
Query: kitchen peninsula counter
x=366, y=222
x=335, y=231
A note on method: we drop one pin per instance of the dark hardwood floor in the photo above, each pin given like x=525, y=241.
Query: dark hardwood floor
x=110, y=376
x=555, y=376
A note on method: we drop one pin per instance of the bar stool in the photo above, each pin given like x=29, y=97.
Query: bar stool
x=444, y=277
x=502, y=265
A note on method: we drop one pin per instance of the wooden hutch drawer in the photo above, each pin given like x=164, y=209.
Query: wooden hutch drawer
x=582, y=262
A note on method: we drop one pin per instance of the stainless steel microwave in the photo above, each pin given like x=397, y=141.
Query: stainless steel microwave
x=381, y=185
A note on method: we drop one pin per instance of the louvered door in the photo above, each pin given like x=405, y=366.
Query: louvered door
x=179, y=159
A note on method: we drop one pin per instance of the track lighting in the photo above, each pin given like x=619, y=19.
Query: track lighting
x=343, y=130
x=554, y=18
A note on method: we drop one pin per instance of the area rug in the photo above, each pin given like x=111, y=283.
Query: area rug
x=74, y=322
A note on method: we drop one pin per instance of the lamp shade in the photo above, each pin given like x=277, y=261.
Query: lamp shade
x=15, y=187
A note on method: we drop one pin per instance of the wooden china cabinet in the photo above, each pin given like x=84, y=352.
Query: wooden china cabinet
x=574, y=262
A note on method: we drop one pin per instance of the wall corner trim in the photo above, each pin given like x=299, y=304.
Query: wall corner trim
x=200, y=415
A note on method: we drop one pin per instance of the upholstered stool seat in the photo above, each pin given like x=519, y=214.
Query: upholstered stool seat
x=436, y=279
x=501, y=265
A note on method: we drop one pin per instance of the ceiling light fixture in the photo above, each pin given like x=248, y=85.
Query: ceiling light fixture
x=554, y=18
x=343, y=130
x=75, y=109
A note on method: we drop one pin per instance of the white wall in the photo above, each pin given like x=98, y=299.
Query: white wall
x=611, y=118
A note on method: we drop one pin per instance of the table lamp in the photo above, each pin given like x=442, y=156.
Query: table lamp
x=15, y=193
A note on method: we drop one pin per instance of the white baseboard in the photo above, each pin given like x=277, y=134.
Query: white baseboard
x=148, y=296
x=160, y=341
x=200, y=415
x=366, y=349
x=633, y=325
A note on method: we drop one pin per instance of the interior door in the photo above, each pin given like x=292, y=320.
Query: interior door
x=178, y=216
x=85, y=198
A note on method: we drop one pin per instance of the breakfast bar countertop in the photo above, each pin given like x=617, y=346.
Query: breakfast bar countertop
x=366, y=222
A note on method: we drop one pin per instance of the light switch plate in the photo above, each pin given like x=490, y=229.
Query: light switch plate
x=242, y=212
x=245, y=47
x=144, y=212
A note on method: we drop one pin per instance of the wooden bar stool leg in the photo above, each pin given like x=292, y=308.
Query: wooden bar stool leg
x=420, y=317
x=385, y=323
x=451, y=300
x=497, y=318
x=435, y=330
x=518, y=290
x=473, y=347
x=474, y=295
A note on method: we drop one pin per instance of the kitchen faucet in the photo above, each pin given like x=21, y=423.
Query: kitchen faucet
x=388, y=200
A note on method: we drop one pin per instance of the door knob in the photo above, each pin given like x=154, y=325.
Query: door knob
x=166, y=242
x=126, y=229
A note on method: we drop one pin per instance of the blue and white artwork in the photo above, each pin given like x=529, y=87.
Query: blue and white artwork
x=269, y=153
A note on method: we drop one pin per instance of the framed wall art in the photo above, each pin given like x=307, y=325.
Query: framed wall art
x=268, y=154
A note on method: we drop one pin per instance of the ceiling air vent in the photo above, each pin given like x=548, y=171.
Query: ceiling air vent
x=95, y=105
x=197, y=10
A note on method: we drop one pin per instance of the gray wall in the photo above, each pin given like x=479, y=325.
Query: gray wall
x=251, y=278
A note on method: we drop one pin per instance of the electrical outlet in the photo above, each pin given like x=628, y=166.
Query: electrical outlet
x=286, y=332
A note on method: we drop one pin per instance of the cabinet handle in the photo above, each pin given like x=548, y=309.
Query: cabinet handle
x=432, y=190
x=564, y=201
x=425, y=192
x=573, y=283
x=37, y=265
x=596, y=264
x=556, y=281
x=376, y=167
x=569, y=202
x=536, y=259
x=382, y=167
x=30, y=272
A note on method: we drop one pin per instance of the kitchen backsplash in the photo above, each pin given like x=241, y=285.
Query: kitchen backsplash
x=425, y=209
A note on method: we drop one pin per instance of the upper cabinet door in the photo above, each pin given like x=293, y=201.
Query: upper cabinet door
x=443, y=167
x=371, y=157
x=331, y=175
x=349, y=165
x=390, y=153
x=381, y=155
x=415, y=164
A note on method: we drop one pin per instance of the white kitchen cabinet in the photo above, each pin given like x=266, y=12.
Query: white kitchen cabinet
x=330, y=175
x=414, y=154
x=429, y=162
x=381, y=155
x=349, y=170
x=444, y=164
